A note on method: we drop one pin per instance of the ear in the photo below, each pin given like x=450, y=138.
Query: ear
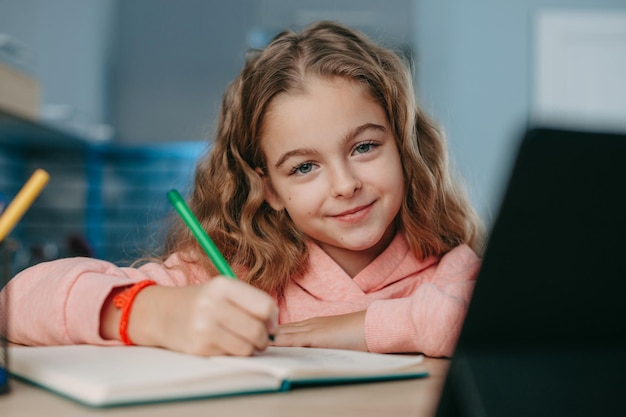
x=270, y=195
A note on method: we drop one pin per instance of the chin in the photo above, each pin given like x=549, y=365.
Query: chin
x=360, y=245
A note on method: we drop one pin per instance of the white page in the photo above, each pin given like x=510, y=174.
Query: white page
x=293, y=362
x=99, y=374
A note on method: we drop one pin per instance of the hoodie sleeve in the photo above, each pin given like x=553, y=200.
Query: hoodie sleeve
x=59, y=302
x=430, y=319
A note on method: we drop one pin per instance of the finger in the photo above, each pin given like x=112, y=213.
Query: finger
x=213, y=313
x=272, y=324
x=292, y=339
x=256, y=302
x=248, y=298
x=295, y=327
x=229, y=343
x=206, y=336
x=226, y=330
x=241, y=323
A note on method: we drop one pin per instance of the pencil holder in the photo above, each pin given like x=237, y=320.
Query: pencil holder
x=7, y=251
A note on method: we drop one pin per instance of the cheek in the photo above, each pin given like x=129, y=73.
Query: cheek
x=397, y=176
x=387, y=176
x=302, y=203
x=394, y=186
x=297, y=205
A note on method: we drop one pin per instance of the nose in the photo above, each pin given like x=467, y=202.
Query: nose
x=344, y=182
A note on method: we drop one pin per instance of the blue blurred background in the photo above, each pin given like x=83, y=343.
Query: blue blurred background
x=128, y=92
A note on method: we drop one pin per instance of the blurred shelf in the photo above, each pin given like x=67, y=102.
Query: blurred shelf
x=19, y=132
x=112, y=196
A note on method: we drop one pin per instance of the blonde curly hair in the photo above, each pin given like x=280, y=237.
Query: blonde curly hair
x=228, y=195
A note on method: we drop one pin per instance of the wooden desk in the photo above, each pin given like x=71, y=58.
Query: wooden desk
x=415, y=398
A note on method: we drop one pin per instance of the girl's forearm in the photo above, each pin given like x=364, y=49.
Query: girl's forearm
x=140, y=328
x=110, y=317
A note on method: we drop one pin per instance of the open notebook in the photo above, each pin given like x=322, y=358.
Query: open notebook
x=101, y=376
x=545, y=333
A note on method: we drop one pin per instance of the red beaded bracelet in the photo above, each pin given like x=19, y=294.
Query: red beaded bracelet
x=124, y=301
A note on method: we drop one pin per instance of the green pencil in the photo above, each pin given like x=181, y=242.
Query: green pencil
x=205, y=241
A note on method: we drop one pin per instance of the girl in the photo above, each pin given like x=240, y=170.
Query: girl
x=329, y=192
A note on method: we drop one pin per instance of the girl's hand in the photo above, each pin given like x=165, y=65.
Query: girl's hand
x=346, y=331
x=223, y=316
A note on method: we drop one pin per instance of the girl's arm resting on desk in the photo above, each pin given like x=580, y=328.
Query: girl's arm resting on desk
x=59, y=302
x=428, y=321
x=345, y=331
x=63, y=301
x=221, y=316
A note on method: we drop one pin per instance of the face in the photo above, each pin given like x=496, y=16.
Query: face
x=333, y=165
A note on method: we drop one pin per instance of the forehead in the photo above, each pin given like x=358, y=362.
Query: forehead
x=318, y=87
x=325, y=109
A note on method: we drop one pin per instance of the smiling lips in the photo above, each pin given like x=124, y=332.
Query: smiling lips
x=354, y=214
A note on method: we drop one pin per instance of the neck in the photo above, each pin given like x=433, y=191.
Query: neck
x=353, y=262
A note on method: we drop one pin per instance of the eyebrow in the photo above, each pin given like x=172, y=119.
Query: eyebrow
x=351, y=135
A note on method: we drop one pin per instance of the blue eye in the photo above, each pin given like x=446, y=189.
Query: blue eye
x=303, y=168
x=365, y=147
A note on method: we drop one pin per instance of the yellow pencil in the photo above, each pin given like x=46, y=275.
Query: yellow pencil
x=22, y=201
